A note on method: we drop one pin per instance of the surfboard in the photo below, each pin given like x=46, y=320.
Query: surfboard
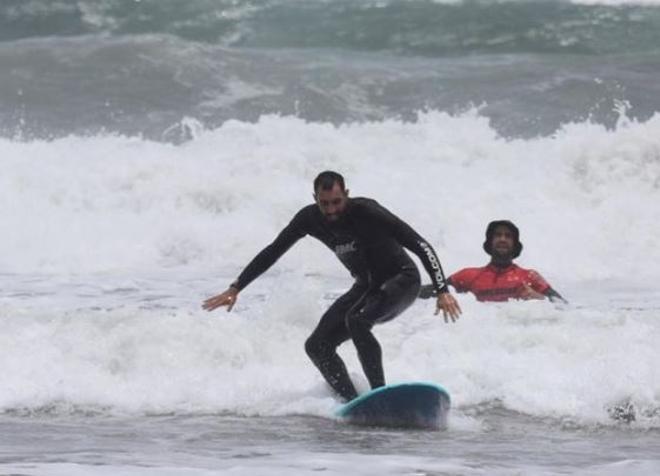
x=405, y=405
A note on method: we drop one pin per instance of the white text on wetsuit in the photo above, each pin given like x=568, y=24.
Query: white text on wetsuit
x=345, y=248
x=435, y=265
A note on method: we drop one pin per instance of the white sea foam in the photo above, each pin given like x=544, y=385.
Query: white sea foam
x=88, y=218
x=585, y=199
x=530, y=357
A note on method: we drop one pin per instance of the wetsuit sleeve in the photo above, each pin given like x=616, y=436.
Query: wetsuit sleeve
x=411, y=240
x=536, y=282
x=554, y=296
x=295, y=230
x=540, y=285
x=427, y=291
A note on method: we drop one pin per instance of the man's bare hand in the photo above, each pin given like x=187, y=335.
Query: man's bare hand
x=227, y=298
x=449, y=307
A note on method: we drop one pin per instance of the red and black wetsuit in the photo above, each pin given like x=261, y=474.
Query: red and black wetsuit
x=369, y=240
x=496, y=283
x=493, y=283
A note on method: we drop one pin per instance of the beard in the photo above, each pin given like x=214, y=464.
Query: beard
x=502, y=255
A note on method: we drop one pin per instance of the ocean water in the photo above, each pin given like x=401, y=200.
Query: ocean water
x=148, y=149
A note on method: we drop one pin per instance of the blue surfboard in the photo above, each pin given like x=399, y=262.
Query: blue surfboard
x=403, y=405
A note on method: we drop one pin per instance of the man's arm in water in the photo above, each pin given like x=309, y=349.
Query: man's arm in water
x=554, y=296
x=427, y=291
x=539, y=288
x=265, y=259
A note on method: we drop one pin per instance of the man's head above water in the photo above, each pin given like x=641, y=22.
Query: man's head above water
x=331, y=195
x=502, y=241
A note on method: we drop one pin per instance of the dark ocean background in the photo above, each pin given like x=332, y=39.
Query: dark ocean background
x=150, y=67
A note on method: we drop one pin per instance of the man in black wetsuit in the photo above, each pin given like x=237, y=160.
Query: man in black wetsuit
x=369, y=241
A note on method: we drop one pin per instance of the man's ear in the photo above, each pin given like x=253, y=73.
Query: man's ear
x=347, y=192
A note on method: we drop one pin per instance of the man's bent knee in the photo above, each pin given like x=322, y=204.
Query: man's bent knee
x=357, y=324
x=311, y=347
x=317, y=349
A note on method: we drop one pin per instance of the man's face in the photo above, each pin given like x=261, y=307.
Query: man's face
x=332, y=203
x=503, y=242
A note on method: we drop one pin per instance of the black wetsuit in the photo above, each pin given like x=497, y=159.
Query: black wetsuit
x=369, y=241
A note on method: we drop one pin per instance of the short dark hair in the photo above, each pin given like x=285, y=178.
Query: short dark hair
x=327, y=179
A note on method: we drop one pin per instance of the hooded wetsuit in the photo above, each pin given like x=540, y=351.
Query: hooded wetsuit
x=369, y=240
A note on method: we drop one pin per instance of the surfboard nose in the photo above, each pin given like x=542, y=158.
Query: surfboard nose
x=406, y=405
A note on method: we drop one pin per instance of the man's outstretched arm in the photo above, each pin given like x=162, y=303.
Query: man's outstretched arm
x=259, y=264
x=427, y=291
x=413, y=241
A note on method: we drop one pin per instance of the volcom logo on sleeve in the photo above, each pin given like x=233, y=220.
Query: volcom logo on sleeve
x=435, y=264
x=345, y=248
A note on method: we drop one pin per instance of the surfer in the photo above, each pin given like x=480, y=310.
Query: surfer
x=369, y=240
x=501, y=279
